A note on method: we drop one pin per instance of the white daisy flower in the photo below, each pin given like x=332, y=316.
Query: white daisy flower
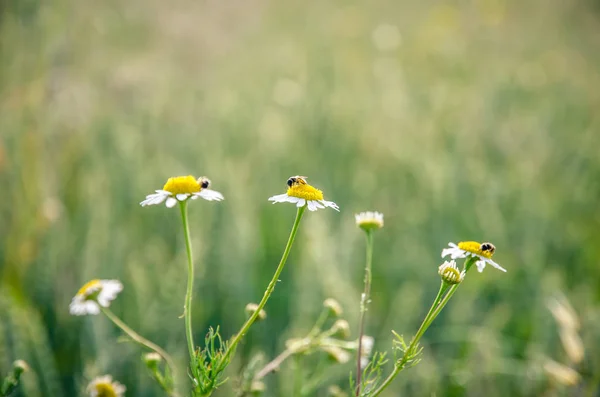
x=94, y=294
x=301, y=193
x=483, y=252
x=181, y=188
x=450, y=273
x=104, y=386
x=369, y=220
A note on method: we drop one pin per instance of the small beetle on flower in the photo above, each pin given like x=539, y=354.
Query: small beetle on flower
x=481, y=251
x=301, y=193
x=182, y=188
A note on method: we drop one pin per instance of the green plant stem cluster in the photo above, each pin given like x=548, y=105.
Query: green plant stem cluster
x=412, y=351
x=208, y=364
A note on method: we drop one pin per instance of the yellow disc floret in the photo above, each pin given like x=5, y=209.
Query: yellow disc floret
x=92, y=285
x=475, y=248
x=182, y=185
x=105, y=390
x=306, y=192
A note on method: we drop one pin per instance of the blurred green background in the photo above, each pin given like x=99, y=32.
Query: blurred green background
x=459, y=120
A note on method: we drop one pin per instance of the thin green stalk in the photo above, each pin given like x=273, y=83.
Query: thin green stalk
x=268, y=291
x=187, y=310
x=364, y=302
x=407, y=353
x=138, y=338
x=320, y=321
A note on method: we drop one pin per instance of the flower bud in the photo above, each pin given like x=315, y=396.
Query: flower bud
x=20, y=366
x=152, y=359
x=341, y=328
x=336, y=391
x=450, y=273
x=252, y=307
x=257, y=387
x=561, y=373
x=335, y=309
x=369, y=220
x=337, y=354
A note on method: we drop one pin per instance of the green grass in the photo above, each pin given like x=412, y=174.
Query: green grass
x=482, y=124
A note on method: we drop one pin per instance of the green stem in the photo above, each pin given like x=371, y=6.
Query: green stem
x=268, y=291
x=434, y=311
x=187, y=310
x=408, y=352
x=364, y=302
x=320, y=321
x=138, y=338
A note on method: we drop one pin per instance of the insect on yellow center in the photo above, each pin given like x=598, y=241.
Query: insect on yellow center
x=90, y=286
x=306, y=192
x=105, y=390
x=475, y=248
x=182, y=184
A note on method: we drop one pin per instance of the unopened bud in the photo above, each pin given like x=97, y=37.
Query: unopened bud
x=337, y=354
x=257, y=387
x=252, y=307
x=561, y=373
x=572, y=344
x=20, y=366
x=369, y=220
x=152, y=359
x=341, y=328
x=450, y=273
x=335, y=309
x=335, y=391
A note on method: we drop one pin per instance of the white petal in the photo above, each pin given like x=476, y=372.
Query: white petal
x=110, y=290
x=152, y=199
x=210, y=195
x=280, y=198
x=318, y=204
x=311, y=205
x=301, y=202
x=494, y=264
x=171, y=201
x=92, y=308
x=182, y=196
x=330, y=204
x=480, y=265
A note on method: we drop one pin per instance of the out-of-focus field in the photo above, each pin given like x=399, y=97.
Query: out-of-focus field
x=471, y=120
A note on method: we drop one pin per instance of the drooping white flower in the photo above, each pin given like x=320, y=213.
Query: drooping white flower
x=92, y=295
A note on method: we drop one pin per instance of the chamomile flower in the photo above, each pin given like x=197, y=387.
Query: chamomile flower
x=182, y=188
x=94, y=294
x=483, y=252
x=369, y=220
x=301, y=193
x=104, y=386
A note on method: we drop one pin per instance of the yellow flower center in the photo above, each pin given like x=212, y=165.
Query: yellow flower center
x=105, y=390
x=182, y=184
x=90, y=285
x=475, y=248
x=305, y=191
